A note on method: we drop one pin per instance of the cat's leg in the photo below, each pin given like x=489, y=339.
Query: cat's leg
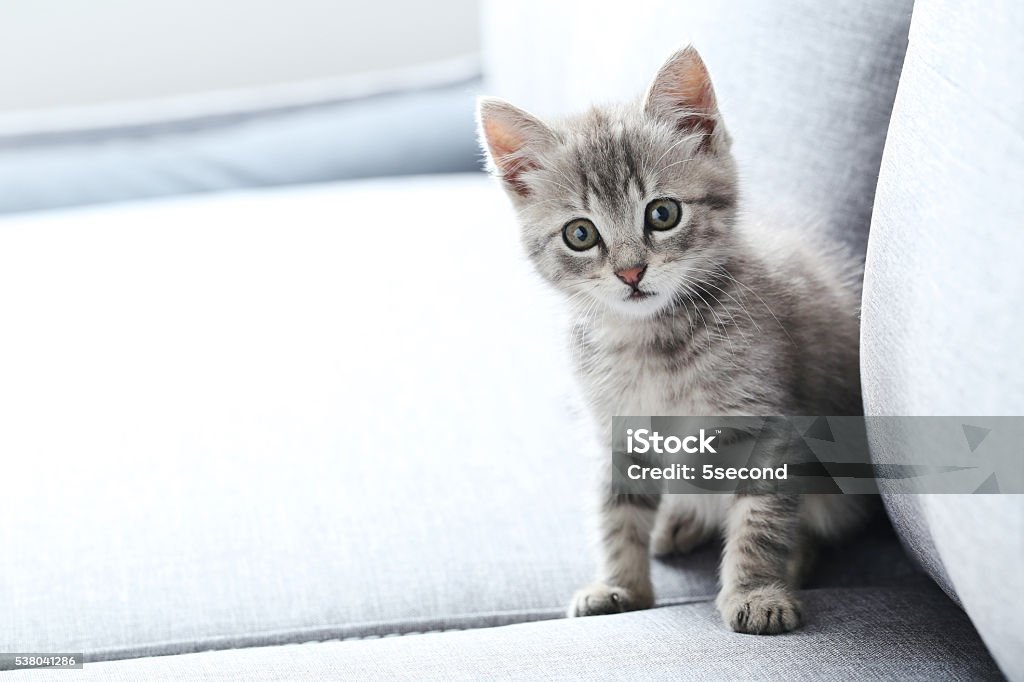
x=625, y=583
x=761, y=559
x=802, y=560
x=681, y=525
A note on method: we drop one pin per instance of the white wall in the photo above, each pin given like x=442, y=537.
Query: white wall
x=80, y=52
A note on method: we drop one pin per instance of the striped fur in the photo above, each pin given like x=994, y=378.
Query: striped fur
x=732, y=318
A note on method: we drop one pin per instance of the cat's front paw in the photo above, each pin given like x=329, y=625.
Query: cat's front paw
x=769, y=610
x=599, y=599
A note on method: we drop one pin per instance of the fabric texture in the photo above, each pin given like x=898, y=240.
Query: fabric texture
x=207, y=444
x=856, y=634
x=805, y=87
x=409, y=124
x=943, y=278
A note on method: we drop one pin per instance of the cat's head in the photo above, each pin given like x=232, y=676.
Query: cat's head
x=630, y=206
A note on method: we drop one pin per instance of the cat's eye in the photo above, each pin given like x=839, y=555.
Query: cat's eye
x=580, y=234
x=662, y=214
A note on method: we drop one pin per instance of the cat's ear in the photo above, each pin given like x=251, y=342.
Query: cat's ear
x=682, y=94
x=513, y=140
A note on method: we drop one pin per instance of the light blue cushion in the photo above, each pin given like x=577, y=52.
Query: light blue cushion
x=942, y=333
x=407, y=132
x=914, y=633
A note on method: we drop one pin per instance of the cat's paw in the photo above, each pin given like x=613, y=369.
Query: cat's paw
x=769, y=610
x=678, y=533
x=599, y=599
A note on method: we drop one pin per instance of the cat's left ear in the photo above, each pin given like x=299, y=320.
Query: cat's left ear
x=513, y=139
x=682, y=94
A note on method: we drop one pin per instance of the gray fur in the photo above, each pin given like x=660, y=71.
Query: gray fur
x=742, y=319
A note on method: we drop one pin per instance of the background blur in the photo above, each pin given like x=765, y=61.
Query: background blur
x=114, y=100
x=64, y=53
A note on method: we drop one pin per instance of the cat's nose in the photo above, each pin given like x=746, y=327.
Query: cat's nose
x=632, y=276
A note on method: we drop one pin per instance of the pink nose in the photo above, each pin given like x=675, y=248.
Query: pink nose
x=632, y=276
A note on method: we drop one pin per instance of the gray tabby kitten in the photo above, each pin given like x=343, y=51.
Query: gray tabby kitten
x=682, y=309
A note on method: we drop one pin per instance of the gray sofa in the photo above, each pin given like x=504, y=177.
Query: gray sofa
x=227, y=457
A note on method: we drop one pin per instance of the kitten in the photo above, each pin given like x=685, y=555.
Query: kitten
x=683, y=310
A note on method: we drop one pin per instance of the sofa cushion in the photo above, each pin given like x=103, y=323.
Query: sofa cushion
x=290, y=415
x=806, y=87
x=413, y=121
x=944, y=282
x=907, y=634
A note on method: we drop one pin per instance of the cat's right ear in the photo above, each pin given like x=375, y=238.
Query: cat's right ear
x=513, y=140
x=682, y=94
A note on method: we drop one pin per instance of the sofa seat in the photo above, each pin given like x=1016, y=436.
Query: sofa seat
x=911, y=633
x=265, y=418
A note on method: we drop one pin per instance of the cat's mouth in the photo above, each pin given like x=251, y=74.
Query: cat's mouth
x=638, y=295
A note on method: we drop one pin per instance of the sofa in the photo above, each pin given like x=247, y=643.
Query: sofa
x=299, y=420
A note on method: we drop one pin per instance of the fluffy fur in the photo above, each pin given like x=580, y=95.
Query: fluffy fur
x=727, y=318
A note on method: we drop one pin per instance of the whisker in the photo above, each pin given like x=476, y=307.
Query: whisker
x=718, y=320
x=725, y=309
x=725, y=273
